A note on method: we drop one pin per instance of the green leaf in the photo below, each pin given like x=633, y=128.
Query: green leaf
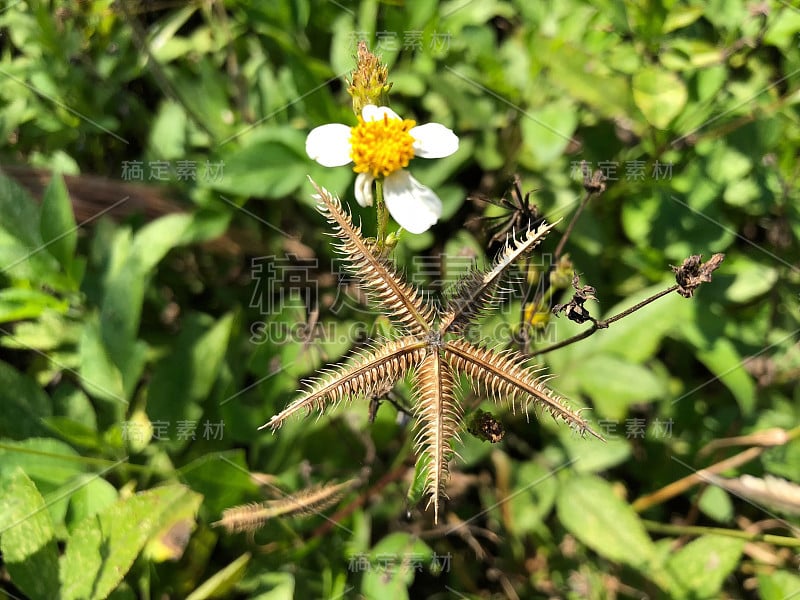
x=681, y=16
x=547, y=132
x=700, y=568
x=152, y=242
x=614, y=384
x=50, y=463
x=74, y=432
x=122, y=303
x=223, y=479
x=778, y=585
x=222, y=582
x=592, y=512
x=168, y=134
x=399, y=553
x=21, y=251
x=659, y=94
x=22, y=303
x=532, y=499
x=592, y=456
x=18, y=214
x=723, y=359
x=24, y=405
x=417, y=488
x=265, y=168
x=183, y=379
x=93, y=494
x=716, y=503
x=57, y=226
x=753, y=279
x=27, y=539
x=102, y=547
x=100, y=377
x=270, y=586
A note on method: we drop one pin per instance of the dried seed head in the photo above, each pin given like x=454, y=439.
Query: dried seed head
x=693, y=272
x=485, y=427
x=574, y=309
x=369, y=81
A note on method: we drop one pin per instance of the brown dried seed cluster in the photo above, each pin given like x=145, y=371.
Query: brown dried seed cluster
x=694, y=272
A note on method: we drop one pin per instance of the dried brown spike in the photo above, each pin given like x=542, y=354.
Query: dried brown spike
x=425, y=350
x=400, y=301
x=368, y=372
x=249, y=517
x=503, y=375
x=438, y=414
x=478, y=290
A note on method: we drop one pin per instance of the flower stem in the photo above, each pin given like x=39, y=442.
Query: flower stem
x=383, y=215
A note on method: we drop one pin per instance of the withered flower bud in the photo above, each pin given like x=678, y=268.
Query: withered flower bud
x=369, y=81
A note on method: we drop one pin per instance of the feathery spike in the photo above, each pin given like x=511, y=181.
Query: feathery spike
x=478, y=290
x=506, y=375
x=402, y=302
x=368, y=372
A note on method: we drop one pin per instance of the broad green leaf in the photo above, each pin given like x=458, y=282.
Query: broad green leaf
x=18, y=214
x=700, y=568
x=222, y=582
x=22, y=253
x=399, y=553
x=48, y=332
x=74, y=432
x=605, y=91
x=153, y=241
x=169, y=543
x=614, y=384
x=93, y=495
x=168, y=133
x=27, y=539
x=24, y=405
x=784, y=29
x=547, y=132
x=589, y=509
x=591, y=455
x=100, y=377
x=50, y=463
x=122, y=303
x=728, y=165
x=778, y=585
x=659, y=94
x=183, y=379
x=265, y=169
x=753, y=279
x=716, y=503
x=532, y=499
x=417, y=488
x=103, y=546
x=223, y=479
x=71, y=402
x=681, y=16
x=274, y=585
x=22, y=303
x=723, y=359
x=58, y=230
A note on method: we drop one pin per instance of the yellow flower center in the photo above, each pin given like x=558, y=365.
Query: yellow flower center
x=381, y=147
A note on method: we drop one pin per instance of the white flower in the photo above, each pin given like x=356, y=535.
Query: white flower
x=381, y=145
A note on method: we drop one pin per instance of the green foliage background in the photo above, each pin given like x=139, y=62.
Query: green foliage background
x=114, y=327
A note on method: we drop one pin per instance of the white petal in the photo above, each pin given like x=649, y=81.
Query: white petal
x=329, y=145
x=433, y=140
x=414, y=206
x=364, y=189
x=375, y=113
